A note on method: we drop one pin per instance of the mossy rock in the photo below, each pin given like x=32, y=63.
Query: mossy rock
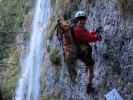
x=52, y=27
x=51, y=97
x=11, y=22
x=12, y=14
x=9, y=88
x=122, y=5
x=11, y=75
x=55, y=57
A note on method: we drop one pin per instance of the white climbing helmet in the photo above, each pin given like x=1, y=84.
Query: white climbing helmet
x=80, y=14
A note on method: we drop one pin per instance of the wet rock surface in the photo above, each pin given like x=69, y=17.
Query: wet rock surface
x=113, y=56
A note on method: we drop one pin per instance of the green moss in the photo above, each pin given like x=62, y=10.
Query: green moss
x=11, y=75
x=66, y=7
x=55, y=56
x=52, y=25
x=11, y=21
x=9, y=87
x=130, y=87
x=26, y=36
x=59, y=4
x=12, y=14
x=122, y=4
x=103, y=87
x=51, y=97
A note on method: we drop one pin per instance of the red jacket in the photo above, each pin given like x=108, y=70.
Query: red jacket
x=84, y=36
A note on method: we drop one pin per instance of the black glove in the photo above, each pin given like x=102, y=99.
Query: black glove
x=99, y=29
x=99, y=37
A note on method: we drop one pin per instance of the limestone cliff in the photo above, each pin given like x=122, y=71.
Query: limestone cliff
x=113, y=56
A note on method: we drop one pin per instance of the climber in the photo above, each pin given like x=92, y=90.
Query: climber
x=83, y=37
x=76, y=41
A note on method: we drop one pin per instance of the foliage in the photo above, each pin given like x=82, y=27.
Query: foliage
x=52, y=26
x=55, y=56
x=11, y=20
x=50, y=98
x=122, y=6
x=12, y=14
x=9, y=87
x=11, y=75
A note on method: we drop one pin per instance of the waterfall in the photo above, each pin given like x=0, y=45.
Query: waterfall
x=28, y=87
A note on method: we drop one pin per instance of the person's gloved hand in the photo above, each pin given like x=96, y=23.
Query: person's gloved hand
x=99, y=37
x=99, y=29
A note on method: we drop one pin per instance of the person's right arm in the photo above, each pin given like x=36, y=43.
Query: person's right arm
x=85, y=36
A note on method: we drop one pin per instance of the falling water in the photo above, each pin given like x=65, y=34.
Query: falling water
x=29, y=83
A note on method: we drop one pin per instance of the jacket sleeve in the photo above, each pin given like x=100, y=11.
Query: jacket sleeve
x=85, y=36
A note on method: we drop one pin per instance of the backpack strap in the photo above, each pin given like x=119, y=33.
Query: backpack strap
x=59, y=35
x=78, y=48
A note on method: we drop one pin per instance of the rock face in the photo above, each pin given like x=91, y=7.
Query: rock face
x=113, y=56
